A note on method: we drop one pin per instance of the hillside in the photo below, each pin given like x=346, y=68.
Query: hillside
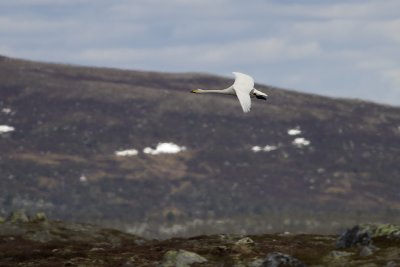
x=69, y=121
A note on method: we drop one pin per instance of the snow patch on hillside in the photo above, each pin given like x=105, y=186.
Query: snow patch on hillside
x=6, y=110
x=301, y=142
x=294, y=131
x=164, y=148
x=126, y=153
x=6, y=129
x=266, y=148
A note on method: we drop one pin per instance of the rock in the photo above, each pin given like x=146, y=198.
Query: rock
x=337, y=258
x=18, y=216
x=277, y=259
x=181, y=258
x=128, y=264
x=256, y=263
x=391, y=254
x=366, y=251
x=392, y=264
x=39, y=217
x=338, y=255
x=245, y=241
x=354, y=236
x=221, y=250
x=361, y=235
x=96, y=250
x=244, y=245
x=382, y=230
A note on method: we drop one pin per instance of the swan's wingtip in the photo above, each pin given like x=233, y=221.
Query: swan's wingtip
x=246, y=110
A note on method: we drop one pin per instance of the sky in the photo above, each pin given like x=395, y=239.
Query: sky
x=341, y=48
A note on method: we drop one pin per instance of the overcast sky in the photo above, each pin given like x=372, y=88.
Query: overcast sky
x=342, y=48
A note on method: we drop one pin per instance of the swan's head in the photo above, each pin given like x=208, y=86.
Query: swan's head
x=196, y=91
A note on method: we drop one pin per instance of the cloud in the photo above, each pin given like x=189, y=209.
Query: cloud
x=166, y=11
x=376, y=63
x=248, y=52
x=388, y=29
x=219, y=29
x=30, y=26
x=335, y=10
x=5, y=50
x=341, y=31
x=393, y=76
x=22, y=3
x=339, y=48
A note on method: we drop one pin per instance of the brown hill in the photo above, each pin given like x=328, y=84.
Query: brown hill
x=69, y=122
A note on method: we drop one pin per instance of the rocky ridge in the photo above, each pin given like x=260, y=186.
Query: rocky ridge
x=37, y=241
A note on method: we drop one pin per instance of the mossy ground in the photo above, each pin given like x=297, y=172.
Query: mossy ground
x=63, y=244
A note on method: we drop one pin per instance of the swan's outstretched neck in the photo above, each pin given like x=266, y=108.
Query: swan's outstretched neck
x=226, y=91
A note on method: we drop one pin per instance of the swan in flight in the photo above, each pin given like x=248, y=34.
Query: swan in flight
x=243, y=88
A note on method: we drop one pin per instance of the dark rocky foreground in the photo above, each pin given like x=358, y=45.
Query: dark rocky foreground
x=37, y=241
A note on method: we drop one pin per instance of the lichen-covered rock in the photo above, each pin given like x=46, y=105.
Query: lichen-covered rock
x=366, y=251
x=39, y=217
x=244, y=245
x=18, y=216
x=382, y=230
x=363, y=234
x=245, y=241
x=181, y=258
x=392, y=264
x=337, y=258
x=277, y=259
x=256, y=263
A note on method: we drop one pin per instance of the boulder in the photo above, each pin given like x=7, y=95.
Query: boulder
x=354, y=236
x=18, y=216
x=366, y=251
x=181, y=258
x=361, y=235
x=277, y=259
x=337, y=258
x=39, y=217
x=245, y=241
x=256, y=263
x=244, y=245
x=382, y=230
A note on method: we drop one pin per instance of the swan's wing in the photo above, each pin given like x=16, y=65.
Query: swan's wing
x=244, y=99
x=243, y=82
x=243, y=85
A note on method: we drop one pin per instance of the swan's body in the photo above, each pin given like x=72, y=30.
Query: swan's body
x=243, y=88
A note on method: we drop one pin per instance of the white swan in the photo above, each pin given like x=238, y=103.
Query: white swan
x=243, y=88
